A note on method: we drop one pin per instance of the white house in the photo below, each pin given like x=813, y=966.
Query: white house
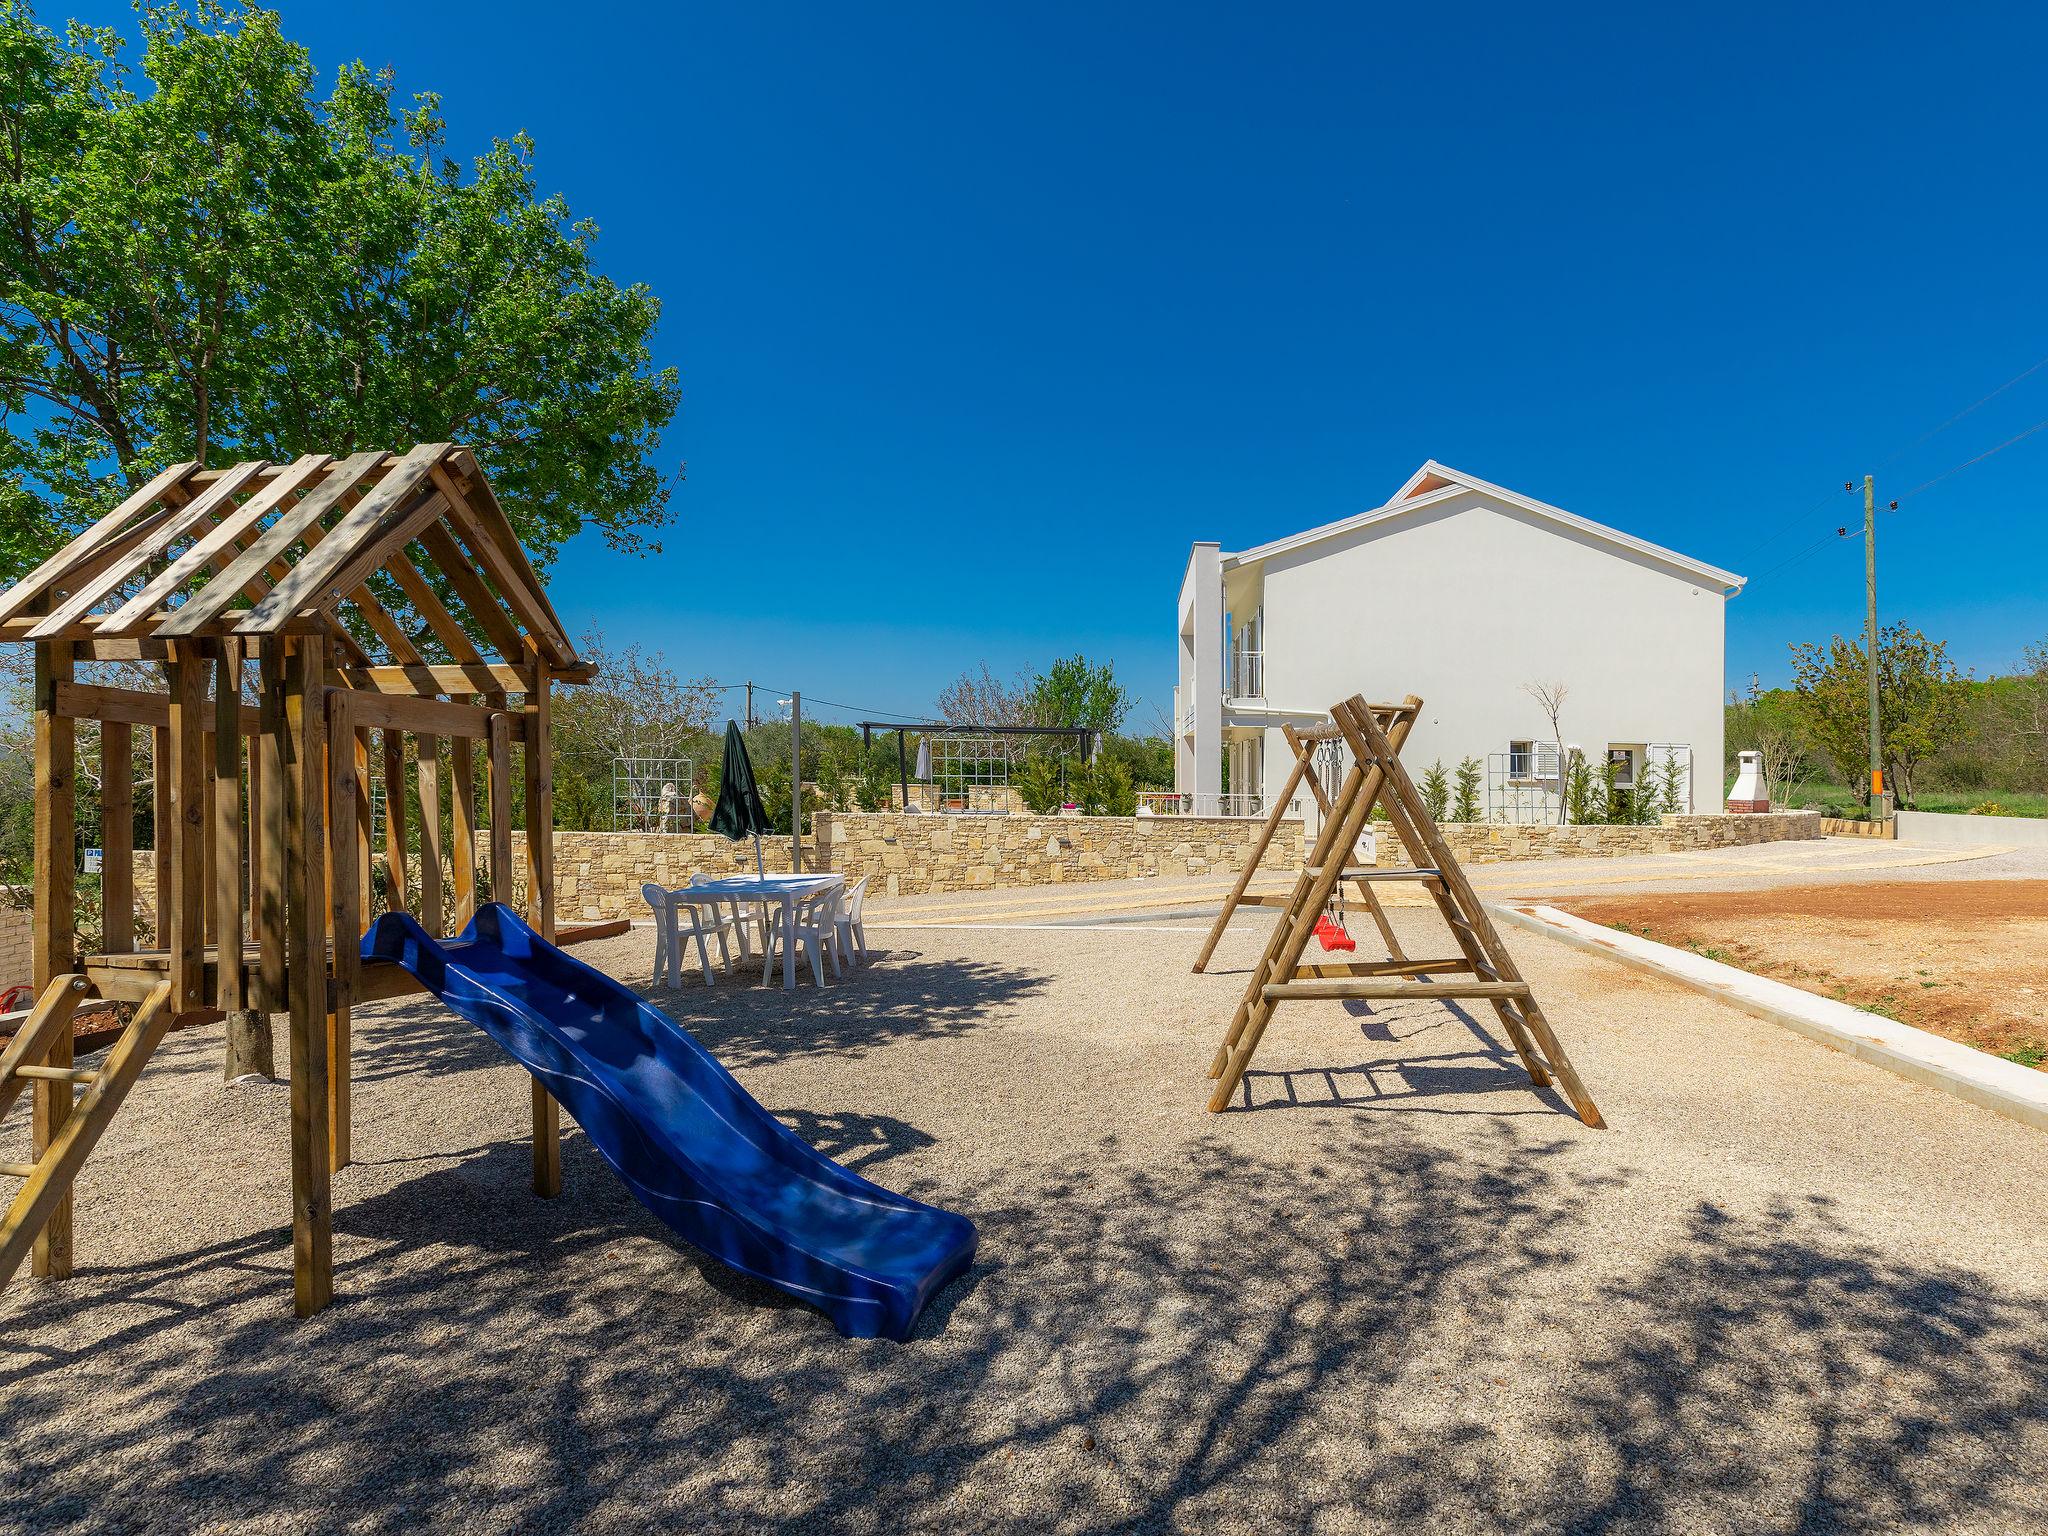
x=1465, y=593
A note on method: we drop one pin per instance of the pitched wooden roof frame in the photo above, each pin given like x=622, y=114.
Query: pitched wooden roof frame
x=259, y=549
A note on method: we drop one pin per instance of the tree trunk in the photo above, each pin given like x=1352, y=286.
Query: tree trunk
x=250, y=1051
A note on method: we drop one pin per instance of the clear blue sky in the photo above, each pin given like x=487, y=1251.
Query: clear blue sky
x=984, y=312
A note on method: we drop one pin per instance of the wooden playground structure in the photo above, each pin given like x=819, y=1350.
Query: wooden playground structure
x=1374, y=733
x=310, y=589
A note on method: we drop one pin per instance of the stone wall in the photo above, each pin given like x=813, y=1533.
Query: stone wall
x=598, y=875
x=1494, y=843
x=17, y=940
x=919, y=855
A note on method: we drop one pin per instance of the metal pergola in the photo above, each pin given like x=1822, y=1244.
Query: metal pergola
x=1080, y=735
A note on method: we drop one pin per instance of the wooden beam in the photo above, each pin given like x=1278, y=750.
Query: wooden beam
x=129, y=706
x=501, y=805
x=270, y=864
x=427, y=603
x=49, y=576
x=422, y=716
x=218, y=544
x=344, y=559
x=480, y=503
x=1395, y=967
x=47, y=1192
x=540, y=902
x=462, y=827
x=396, y=885
x=231, y=994
x=86, y=595
x=306, y=845
x=428, y=772
x=203, y=607
x=186, y=876
x=475, y=593
x=54, y=944
x=507, y=567
x=160, y=825
x=345, y=884
x=117, y=836
x=432, y=681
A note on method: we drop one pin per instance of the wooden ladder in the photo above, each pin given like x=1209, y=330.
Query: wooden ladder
x=1376, y=777
x=48, y=1179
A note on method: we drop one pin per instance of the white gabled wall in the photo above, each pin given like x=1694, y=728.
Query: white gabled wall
x=1467, y=601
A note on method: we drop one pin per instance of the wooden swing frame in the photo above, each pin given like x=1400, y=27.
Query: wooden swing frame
x=1377, y=777
x=273, y=579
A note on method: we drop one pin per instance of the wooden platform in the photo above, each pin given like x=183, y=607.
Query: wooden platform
x=132, y=977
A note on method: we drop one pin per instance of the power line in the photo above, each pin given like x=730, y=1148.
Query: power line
x=1965, y=411
x=1979, y=459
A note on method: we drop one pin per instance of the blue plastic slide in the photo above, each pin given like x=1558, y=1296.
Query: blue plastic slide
x=691, y=1143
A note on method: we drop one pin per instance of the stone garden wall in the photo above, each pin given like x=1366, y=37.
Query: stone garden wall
x=919, y=855
x=1493, y=843
x=599, y=874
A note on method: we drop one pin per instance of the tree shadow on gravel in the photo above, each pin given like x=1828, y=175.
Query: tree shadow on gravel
x=1381, y=1334
x=878, y=1004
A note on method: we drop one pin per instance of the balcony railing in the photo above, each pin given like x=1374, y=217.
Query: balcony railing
x=1181, y=803
x=1247, y=675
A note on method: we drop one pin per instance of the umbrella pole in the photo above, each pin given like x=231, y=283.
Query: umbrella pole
x=760, y=868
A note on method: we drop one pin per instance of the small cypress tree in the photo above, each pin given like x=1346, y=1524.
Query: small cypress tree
x=1466, y=785
x=1436, y=791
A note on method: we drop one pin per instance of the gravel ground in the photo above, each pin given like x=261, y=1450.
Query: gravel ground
x=1784, y=1292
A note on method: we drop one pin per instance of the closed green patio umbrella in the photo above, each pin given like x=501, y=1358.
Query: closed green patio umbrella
x=739, y=801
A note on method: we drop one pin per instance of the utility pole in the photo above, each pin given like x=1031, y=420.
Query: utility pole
x=1870, y=640
x=750, y=706
x=796, y=782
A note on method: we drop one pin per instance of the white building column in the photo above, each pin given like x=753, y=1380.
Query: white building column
x=1201, y=693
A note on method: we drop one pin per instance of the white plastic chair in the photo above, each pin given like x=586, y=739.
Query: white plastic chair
x=853, y=938
x=669, y=915
x=728, y=912
x=815, y=930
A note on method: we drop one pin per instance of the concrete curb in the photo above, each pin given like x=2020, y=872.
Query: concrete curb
x=2003, y=1087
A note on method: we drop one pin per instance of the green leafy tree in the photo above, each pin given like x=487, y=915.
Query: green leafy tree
x=1436, y=791
x=1076, y=692
x=1466, y=784
x=216, y=261
x=1919, y=704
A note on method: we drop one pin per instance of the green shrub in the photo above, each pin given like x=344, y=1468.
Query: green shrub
x=872, y=790
x=1038, y=784
x=1465, y=790
x=1436, y=791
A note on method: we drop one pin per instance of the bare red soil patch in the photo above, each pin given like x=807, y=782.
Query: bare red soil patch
x=1967, y=960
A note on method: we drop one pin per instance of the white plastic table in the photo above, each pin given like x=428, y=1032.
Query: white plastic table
x=784, y=890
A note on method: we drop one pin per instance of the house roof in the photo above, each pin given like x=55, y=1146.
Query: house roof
x=263, y=549
x=1435, y=483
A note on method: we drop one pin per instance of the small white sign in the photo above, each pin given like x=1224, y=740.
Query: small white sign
x=92, y=861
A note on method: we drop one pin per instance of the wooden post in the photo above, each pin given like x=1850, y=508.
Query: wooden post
x=501, y=803
x=306, y=888
x=366, y=888
x=462, y=815
x=227, y=828
x=56, y=916
x=186, y=876
x=117, y=836
x=345, y=886
x=160, y=828
x=272, y=840
x=394, y=820
x=429, y=775
x=540, y=906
